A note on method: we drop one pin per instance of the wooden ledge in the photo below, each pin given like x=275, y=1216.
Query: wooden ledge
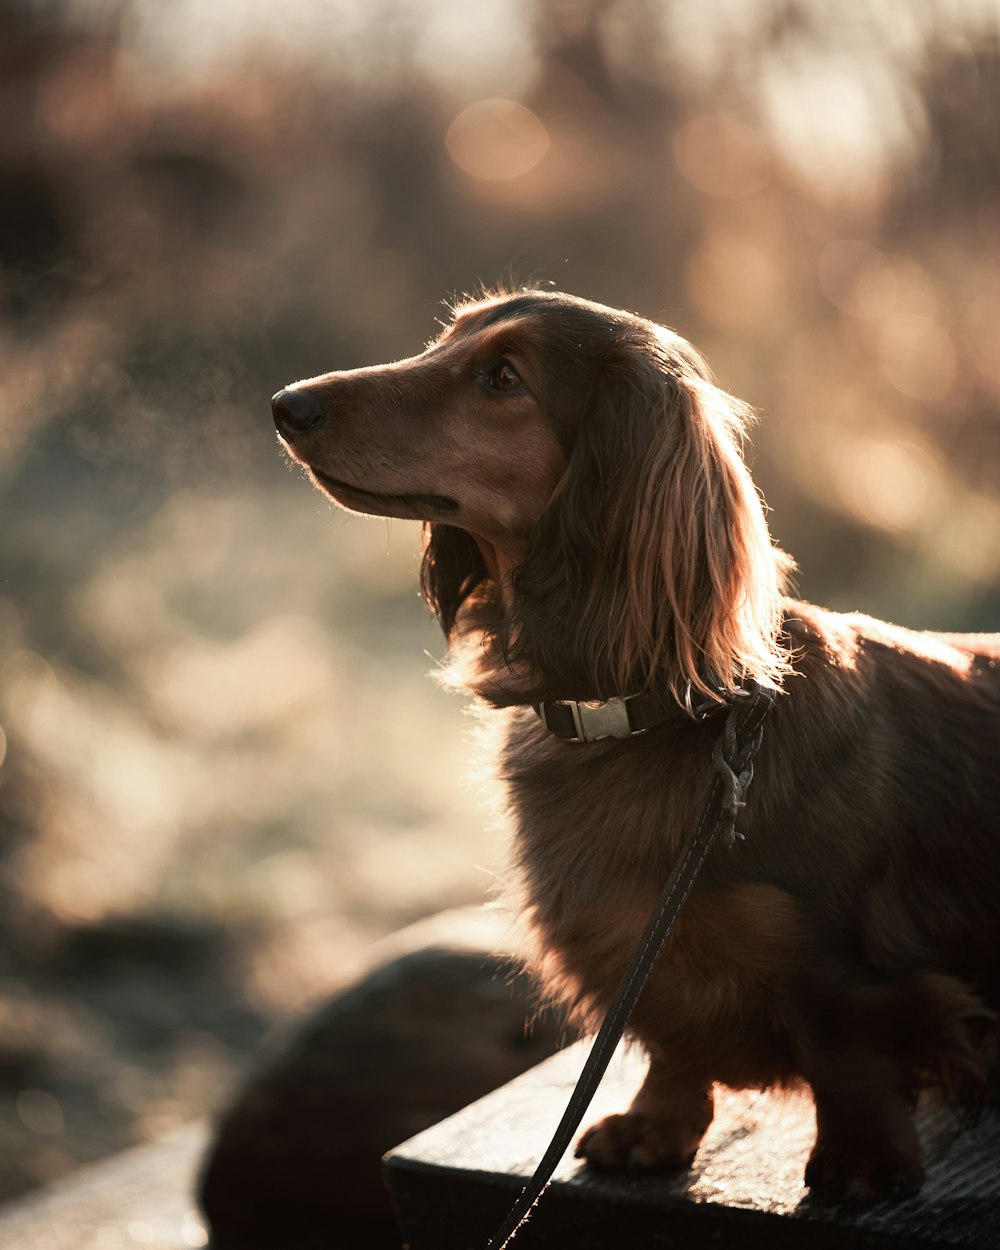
x=452, y=1184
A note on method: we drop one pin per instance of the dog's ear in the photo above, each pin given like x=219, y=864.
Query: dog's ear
x=652, y=566
x=451, y=570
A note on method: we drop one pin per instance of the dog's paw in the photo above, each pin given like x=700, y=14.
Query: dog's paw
x=847, y=1169
x=634, y=1140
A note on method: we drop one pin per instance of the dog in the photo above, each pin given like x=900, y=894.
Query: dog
x=594, y=546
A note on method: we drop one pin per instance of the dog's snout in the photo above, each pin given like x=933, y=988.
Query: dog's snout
x=296, y=412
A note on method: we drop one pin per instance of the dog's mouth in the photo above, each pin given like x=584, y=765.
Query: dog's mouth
x=357, y=499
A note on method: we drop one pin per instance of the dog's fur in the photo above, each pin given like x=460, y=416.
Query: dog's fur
x=592, y=531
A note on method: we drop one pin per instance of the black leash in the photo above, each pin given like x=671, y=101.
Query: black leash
x=733, y=757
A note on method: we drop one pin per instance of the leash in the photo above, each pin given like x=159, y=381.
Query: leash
x=733, y=756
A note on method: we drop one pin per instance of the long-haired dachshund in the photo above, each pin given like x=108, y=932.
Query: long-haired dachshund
x=599, y=560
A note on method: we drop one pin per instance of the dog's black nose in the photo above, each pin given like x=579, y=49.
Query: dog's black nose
x=296, y=412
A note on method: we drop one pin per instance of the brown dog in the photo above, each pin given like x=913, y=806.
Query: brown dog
x=593, y=533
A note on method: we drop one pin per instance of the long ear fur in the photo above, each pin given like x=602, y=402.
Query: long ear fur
x=452, y=568
x=652, y=567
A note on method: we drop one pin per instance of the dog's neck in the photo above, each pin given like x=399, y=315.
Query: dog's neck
x=477, y=665
x=500, y=561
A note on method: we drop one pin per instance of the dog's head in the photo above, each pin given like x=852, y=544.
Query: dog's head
x=577, y=468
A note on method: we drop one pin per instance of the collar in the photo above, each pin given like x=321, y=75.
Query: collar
x=627, y=716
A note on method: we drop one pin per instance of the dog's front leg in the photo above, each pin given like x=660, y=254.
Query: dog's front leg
x=661, y=1130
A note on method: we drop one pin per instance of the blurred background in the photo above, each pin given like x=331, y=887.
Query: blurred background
x=225, y=769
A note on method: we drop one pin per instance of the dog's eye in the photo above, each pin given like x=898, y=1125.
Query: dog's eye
x=503, y=377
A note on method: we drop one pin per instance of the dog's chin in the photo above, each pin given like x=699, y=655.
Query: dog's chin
x=418, y=506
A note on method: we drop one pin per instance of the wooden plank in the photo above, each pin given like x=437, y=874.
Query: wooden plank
x=453, y=1183
x=142, y=1199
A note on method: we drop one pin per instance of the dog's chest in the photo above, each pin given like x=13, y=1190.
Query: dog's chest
x=597, y=829
x=597, y=832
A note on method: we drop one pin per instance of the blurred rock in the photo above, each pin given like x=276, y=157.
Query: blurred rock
x=438, y=1022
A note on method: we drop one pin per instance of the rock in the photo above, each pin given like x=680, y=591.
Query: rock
x=438, y=1021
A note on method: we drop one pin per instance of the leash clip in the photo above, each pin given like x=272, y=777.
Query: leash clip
x=697, y=711
x=735, y=784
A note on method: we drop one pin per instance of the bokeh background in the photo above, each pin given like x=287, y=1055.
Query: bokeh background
x=225, y=770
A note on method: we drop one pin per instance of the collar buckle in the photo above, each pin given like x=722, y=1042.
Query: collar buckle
x=594, y=719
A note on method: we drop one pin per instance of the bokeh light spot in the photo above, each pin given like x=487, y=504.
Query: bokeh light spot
x=497, y=140
x=886, y=482
x=917, y=356
x=722, y=156
x=736, y=282
x=858, y=279
x=193, y=1230
x=982, y=317
x=40, y=1112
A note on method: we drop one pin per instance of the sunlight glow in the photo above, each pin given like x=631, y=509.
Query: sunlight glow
x=497, y=140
